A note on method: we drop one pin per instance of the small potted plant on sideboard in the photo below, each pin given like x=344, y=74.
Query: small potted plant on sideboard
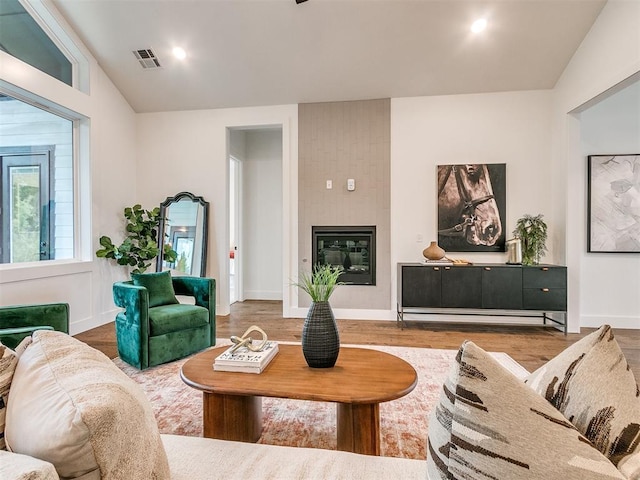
x=532, y=232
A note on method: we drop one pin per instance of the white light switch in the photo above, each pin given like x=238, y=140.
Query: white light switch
x=351, y=184
x=329, y=184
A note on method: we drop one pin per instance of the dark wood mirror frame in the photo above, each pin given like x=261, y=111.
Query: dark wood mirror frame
x=198, y=232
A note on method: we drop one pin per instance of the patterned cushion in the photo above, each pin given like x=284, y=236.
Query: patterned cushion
x=159, y=286
x=490, y=425
x=8, y=363
x=592, y=385
x=71, y=406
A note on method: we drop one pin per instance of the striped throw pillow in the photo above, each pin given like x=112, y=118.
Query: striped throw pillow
x=592, y=385
x=490, y=425
x=8, y=363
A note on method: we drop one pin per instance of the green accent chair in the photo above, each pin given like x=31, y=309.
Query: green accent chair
x=20, y=321
x=154, y=328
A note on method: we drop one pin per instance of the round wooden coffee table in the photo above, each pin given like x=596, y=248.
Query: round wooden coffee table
x=361, y=379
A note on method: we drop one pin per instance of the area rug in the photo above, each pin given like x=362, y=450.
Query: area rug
x=403, y=422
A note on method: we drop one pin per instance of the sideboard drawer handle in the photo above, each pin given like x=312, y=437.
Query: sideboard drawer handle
x=436, y=268
x=447, y=268
x=487, y=268
x=545, y=290
x=545, y=269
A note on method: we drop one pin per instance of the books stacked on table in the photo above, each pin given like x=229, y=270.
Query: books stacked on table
x=443, y=261
x=245, y=360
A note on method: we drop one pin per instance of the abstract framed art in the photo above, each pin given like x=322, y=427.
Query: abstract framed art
x=613, y=204
x=472, y=207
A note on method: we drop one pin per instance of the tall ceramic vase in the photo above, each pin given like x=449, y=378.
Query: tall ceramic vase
x=320, y=338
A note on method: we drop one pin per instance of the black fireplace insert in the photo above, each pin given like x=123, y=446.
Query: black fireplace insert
x=352, y=247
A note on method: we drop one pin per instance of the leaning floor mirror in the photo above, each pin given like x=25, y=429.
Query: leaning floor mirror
x=183, y=225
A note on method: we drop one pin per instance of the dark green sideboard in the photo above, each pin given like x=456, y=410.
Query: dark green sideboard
x=493, y=289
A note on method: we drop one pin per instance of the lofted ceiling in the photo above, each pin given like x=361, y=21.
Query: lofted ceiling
x=271, y=52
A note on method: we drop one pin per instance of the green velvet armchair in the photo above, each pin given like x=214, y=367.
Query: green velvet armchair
x=153, y=330
x=20, y=321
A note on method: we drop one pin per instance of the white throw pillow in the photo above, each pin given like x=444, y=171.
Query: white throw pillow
x=71, y=406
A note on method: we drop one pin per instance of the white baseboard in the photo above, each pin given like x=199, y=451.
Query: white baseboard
x=262, y=295
x=624, y=322
x=349, y=314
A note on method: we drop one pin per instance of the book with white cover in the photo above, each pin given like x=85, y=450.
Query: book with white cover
x=443, y=261
x=243, y=357
x=240, y=368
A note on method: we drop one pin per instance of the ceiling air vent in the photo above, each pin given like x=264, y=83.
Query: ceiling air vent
x=147, y=58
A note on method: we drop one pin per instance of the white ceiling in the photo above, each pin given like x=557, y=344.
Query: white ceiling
x=271, y=52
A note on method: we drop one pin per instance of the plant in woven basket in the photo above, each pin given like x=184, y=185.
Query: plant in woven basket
x=532, y=232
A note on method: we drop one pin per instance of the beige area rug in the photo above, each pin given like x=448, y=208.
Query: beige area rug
x=403, y=422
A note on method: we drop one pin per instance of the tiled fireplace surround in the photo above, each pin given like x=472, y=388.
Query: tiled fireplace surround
x=339, y=141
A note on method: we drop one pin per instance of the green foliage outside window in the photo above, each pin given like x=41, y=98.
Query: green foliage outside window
x=25, y=217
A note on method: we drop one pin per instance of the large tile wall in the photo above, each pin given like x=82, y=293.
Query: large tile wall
x=338, y=141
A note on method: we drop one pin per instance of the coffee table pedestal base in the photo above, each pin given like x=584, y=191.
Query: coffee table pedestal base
x=359, y=428
x=232, y=417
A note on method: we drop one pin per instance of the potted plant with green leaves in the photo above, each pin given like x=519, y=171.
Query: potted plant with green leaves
x=140, y=245
x=320, y=338
x=532, y=232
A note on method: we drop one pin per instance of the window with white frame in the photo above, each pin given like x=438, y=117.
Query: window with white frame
x=22, y=38
x=41, y=134
x=36, y=183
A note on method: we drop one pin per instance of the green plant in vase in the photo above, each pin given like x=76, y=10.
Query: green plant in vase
x=320, y=338
x=532, y=232
x=140, y=245
x=321, y=282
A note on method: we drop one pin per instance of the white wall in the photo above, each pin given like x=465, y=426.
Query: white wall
x=107, y=183
x=262, y=215
x=608, y=55
x=610, y=282
x=511, y=128
x=187, y=151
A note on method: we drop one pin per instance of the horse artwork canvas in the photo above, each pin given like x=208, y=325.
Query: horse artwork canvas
x=471, y=207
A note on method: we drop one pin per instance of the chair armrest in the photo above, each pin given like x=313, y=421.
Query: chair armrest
x=132, y=327
x=204, y=291
x=135, y=301
x=55, y=315
x=32, y=317
x=132, y=298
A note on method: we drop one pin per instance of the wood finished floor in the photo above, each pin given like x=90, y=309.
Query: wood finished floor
x=531, y=346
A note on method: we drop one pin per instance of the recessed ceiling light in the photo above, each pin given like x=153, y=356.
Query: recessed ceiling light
x=479, y=25
x=179, y=53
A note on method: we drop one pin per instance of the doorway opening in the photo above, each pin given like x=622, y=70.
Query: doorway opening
x=255, y=213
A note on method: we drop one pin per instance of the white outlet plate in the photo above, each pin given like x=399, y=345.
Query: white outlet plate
x=329, y=184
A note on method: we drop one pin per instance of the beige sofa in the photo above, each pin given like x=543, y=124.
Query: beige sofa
x=71, y=407
x=71, y=413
